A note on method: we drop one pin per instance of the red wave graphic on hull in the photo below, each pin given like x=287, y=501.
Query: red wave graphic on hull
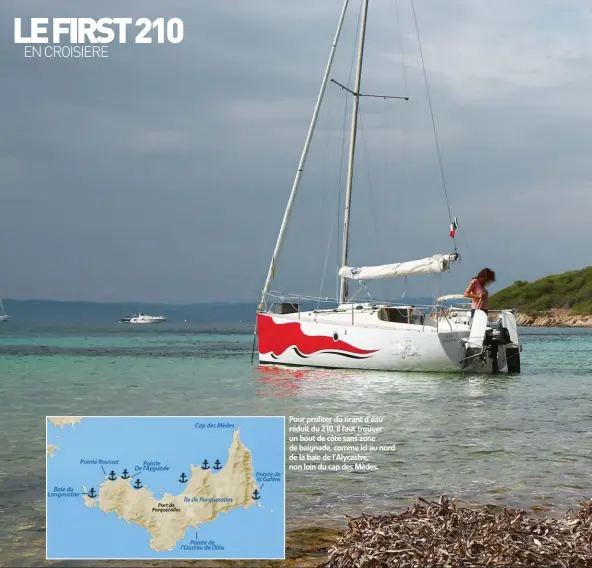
x=276, y=338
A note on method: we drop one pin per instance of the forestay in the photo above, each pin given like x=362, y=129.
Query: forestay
x=431, y=265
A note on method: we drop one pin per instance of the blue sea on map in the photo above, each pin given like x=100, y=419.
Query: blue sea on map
x=77, y=531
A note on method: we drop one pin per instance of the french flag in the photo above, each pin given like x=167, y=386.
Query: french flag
x=453, y=227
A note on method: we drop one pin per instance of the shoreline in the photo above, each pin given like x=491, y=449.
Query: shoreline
x=554, y=318
x=414, y=529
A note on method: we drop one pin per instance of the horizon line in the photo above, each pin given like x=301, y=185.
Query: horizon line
x=230, y=302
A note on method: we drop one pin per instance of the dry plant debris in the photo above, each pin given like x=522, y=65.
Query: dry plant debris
x=444, y=535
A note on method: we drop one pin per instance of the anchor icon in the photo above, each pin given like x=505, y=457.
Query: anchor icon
x=138, y=484
x=92, y=494
x=112, y=476
x=125, y=474
x=217, y=465
x=256, y=494
x=183, y=478
x=205, y=465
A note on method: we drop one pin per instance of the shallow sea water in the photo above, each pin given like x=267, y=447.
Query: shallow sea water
x=522, y=441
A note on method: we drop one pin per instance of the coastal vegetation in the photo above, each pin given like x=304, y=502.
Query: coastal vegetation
x=570, y=291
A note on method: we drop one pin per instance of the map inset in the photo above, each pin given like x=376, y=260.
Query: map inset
x=165, y=487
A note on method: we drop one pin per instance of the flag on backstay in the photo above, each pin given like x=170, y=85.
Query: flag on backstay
x=453, y=227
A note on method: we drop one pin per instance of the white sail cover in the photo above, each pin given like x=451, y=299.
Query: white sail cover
x=430, y=265
x=452, y=297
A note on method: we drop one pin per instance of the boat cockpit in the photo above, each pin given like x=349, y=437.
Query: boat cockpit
x=401, y=314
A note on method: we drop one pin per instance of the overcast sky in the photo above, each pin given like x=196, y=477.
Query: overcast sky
x=161, y=173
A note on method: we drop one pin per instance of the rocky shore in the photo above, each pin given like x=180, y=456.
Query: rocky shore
x=554, y=318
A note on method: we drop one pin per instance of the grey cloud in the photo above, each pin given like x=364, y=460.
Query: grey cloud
x=162, y=172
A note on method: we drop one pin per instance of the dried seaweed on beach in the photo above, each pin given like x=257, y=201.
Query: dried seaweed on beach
x=444, y=535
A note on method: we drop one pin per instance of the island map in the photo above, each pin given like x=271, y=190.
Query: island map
x=165, y=487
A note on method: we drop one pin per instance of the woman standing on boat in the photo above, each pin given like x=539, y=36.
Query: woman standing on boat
x=477, y=290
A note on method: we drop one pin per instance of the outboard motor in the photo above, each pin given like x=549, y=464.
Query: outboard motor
x=484, y=342
x=513, y=350
x=493, y=340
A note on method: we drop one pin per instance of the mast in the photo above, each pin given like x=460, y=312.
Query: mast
x=290, y=205
x=352, y=149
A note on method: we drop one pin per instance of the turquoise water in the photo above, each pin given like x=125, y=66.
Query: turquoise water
x=522, y=441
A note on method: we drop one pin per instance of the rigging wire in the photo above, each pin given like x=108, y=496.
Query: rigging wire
x=437, y=289
x=323, y=195
x=379, y=241
x=403, y=117
x=425, y=75
x=398, y=149
x=339, y=184
x=343, y=139
x=401, y=48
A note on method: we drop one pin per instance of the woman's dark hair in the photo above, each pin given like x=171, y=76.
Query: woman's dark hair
x=486, y=275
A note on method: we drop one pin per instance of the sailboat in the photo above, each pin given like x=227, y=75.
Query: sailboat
x=3, y=316
x=378, y=335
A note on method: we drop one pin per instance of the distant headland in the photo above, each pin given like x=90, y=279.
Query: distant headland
x=55, y=312
x=558, y=300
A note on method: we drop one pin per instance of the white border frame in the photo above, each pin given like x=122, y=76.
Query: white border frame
x=185, y=558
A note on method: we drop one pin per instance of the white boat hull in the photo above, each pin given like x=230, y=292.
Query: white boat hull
x=320, y=339
x=143, y=319
x=3, y=318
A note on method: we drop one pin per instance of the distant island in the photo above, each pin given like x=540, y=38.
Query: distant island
x=54, y=312
x=553, y=301
x=558, y=300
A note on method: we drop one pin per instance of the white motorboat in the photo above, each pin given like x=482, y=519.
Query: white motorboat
x=378, y=335
x=142, y=318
